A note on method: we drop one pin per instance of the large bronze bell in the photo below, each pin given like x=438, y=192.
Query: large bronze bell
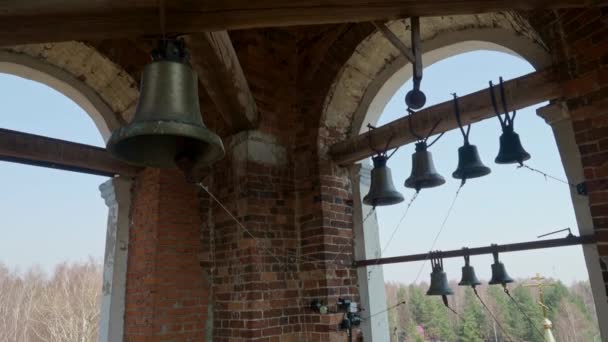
x=439, y=280
x=423, y=173
x=382, y=191
x=469, y=163
x=511, y=151
x=499, y=273
x=469, y=278
x=167, y=126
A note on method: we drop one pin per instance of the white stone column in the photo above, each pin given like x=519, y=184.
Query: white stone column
x=117, y=194
x=558, y=117
x=367, y=246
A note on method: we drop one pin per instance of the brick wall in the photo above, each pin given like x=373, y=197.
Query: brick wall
x=167, y=291
x=579, y=40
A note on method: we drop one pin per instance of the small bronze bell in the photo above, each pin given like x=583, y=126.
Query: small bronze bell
x=423, y=173
x=167, y=127
x=382, y=191
x=468, y=274
x=469, y=163
x=439, y=280
x=499, y=273
x=511, y=151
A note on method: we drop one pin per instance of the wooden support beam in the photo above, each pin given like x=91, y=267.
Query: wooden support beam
x=520, y=93
x=37, y=150
x=35, y=21
x=219, y=70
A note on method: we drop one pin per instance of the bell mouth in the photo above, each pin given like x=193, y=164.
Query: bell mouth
x=160, y=143
x=388, y=199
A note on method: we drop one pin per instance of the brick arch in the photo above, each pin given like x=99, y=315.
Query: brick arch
x=375, y=70
x=103, y=89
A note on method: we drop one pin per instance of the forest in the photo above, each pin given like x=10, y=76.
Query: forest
x=64, y=307
x=425, y=318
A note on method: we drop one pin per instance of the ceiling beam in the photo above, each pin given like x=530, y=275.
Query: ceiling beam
x=218, y=68
x=520, y=92
x=37, y=150
x=34, y=21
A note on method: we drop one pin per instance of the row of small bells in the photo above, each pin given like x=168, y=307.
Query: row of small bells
x=382, y=192
x=439, y=281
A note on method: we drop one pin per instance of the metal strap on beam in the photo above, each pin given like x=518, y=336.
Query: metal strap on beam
x=570, y=240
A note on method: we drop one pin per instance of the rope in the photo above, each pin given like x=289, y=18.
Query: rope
x=540, y=333
x=504, y=332
x=216, y=200
x=445, y=219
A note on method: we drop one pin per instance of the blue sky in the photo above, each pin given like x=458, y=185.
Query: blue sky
x=50, y=216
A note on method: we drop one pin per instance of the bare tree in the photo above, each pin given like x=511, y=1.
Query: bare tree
x=60, y=308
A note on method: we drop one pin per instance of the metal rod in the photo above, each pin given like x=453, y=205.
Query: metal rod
x=393, y=39
x=513, y=247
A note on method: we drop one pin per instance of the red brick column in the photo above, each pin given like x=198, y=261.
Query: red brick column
x=167, y=292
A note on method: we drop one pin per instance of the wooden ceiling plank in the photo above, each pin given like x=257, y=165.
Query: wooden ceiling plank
x=109, y=19
x=219, y=70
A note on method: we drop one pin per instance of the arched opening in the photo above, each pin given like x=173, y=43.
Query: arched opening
x=373, y=75
x=509, y=205
x=58, y=232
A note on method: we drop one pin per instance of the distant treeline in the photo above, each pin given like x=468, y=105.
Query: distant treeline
x=424, y=318
x=60, y=307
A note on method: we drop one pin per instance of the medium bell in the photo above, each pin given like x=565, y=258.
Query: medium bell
x=468, y=275
x=439, y=280
x=423, y=170
x=382, y=191
x=167, y=125
x=499, y=273
x=469, y=163
x=511, y=151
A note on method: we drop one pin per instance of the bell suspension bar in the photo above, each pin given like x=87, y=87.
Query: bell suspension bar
x=570, y=240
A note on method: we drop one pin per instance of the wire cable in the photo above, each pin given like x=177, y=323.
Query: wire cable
x=407, y=209
x=441, y=228
x=520, y=309
x=502, y=329
x=546, y=175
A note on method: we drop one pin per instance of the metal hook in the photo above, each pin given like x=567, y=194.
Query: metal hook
x=370, y=128
x=411, y=127
x=495, y=106
x=467, y=257
x=503, y=99
x=457, y=113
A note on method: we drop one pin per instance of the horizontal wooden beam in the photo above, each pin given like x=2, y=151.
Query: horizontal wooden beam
x=520, y=93
x=35, y=21
x=219, y=70
x=37, y=150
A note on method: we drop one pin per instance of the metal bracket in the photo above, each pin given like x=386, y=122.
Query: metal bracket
x=414, y=55
x=397, y=43
x=581, y=189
